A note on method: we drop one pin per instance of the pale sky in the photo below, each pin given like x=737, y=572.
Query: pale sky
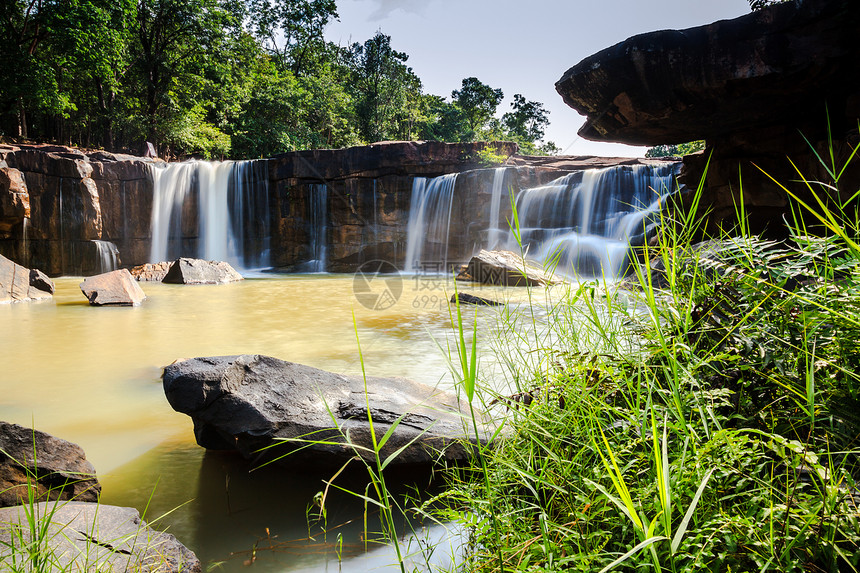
x=520, y=46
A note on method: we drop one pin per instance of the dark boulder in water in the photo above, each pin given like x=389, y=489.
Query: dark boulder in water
x=53, y=468
x=269, y=409
x=466, y=298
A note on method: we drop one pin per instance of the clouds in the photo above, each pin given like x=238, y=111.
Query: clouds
x=385, y=7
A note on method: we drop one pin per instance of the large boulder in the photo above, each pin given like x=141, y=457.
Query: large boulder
x=267, y=408
x=199, y=272
x=53, y=469
x=20, y=284
x=774, y=84
x=80, y=536
x=764, y=68
x=505, y=268
x=116, y=288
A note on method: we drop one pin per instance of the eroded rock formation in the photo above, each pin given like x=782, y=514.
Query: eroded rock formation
x=268, y=408
x=756, y=88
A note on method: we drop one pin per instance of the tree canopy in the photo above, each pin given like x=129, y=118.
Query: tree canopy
x=225, y=78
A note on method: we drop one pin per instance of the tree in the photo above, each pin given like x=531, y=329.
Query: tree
x=292, y=30
x=478, y=102
x=676, y=150
x=528, y=120
x=386, y=91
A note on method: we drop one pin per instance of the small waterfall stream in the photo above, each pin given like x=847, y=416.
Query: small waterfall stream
x=318, y=222
x=108, y=256
x=232, y=222
x=428, y=229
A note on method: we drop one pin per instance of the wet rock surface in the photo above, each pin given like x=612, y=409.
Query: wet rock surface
x=57, y=469
x=250, y=403
x=116, y=288
x=199, y=272
x=505, y=268
x=85, y=536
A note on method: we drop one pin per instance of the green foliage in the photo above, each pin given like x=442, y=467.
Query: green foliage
x=528, y=120
x=477, y=101
x=217, y=78
x=676, y=150
x=386, y=91
x=706, y=420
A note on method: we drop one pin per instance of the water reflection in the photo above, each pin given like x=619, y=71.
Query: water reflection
x=91, y=375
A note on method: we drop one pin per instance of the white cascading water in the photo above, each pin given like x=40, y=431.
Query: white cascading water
x=589, y=219
x=497, y=231
x=318, y=221
x=428, y=229
x=232, y=208
x=108, y=255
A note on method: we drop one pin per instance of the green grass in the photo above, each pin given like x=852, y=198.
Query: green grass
x=706, y=419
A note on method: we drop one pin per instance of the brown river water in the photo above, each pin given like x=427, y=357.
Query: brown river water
x=92, y=376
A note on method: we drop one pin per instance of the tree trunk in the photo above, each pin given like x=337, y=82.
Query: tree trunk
x=22, y=119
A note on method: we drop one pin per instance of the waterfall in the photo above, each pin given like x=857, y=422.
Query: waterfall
x=494, y=236
x=587, y=220
x=108, y=255
x=429, y=224
x=318, y=221
x=232, y=217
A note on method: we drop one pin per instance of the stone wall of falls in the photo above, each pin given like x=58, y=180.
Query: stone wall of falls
x=69, y=212
x=73, y=199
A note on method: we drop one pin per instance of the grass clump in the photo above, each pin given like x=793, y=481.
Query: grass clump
x=706, y=421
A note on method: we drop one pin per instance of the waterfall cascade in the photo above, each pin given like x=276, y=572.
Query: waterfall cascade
x=428, y=229
x=318, y=221
x=497, y=229
x=108, y=256
x=233, y=212
x=589, y=219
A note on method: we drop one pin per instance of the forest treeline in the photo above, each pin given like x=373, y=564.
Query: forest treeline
x=226, y=78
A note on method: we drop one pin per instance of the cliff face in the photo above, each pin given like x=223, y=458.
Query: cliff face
x=753, y=87
x=58, y=206
x=61, y=200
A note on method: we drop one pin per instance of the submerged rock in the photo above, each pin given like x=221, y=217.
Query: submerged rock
x=466, y=298
x=505, y=268
x=250, y=402
x=154, y=272
x=116, y=288
x=90, y=536
x=199, y=272
x=54, y=468
x=20, y=284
